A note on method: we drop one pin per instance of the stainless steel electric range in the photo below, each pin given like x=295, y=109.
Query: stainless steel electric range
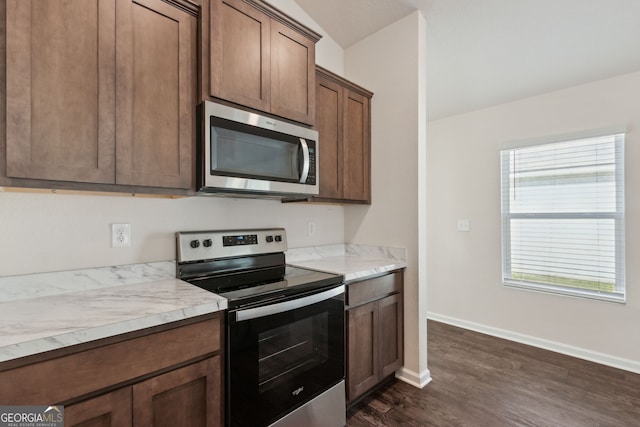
x=285, y=327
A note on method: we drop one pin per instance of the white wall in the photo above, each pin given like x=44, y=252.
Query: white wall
x=52, y=232
x=464, y=269
x=391, y=63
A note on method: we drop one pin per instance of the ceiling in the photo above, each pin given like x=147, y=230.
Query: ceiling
x=486, y=52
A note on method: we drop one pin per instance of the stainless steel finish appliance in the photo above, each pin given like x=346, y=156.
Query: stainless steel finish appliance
x=243, y=153
x=285, y=327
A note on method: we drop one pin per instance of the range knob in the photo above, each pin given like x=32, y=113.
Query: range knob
x=207, y=243
x=278, y=238
x=195, y=244
x=269, y=239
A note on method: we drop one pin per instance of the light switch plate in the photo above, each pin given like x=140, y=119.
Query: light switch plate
x=463, y=225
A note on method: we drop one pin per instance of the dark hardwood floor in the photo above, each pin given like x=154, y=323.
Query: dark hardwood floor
x=479, y=380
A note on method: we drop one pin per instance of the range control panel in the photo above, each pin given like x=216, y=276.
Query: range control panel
x=206, y=245
x=239, y=240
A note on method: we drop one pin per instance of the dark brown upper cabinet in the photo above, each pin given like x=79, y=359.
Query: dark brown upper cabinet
x=100, y=92
x=260, y=58
x=156, y=57
x=240, y=54
x=343, y=120
x=61, y=90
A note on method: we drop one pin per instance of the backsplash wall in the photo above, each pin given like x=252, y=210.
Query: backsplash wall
x=44, y=232
x=51, y=232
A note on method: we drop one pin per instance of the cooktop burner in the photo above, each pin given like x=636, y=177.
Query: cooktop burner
x=245, y=266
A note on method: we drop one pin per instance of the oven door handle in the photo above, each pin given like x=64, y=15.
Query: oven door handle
x=281, y=307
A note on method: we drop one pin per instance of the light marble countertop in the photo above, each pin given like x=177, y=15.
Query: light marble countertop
x=48, y=311
x=355, y=262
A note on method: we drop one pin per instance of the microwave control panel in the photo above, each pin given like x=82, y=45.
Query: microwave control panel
x=311, y=177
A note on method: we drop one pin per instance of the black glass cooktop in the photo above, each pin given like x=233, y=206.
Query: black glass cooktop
x=292, y=281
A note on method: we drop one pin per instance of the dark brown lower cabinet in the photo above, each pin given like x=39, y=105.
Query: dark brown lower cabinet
x=362, y=369
x=169, y=375
x=109, y=410
x=188, y=396
x=374, y=316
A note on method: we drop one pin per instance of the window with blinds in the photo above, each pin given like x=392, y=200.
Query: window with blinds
x=563, y=217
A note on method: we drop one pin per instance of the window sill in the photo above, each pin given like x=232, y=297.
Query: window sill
x=576, y=293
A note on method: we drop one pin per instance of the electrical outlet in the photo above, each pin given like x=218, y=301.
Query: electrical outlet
x=120, y=235
x=311, y=228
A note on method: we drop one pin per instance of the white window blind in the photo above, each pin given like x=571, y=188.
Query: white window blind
x=563, y=217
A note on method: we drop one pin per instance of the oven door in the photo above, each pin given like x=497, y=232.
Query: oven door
x=282, y=355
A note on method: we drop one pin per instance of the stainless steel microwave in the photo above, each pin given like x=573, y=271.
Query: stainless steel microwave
x=247, y=154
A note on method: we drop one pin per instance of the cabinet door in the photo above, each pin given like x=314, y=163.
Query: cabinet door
x=293, y=74
x=362, y=349
x=155, y=94
x=109, y=410
x=357, y=142
x=60, y=90
x=240, y=54
x=329, y=123
x=391, y=348
x=189, y=396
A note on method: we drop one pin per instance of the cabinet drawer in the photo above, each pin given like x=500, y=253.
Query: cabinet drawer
x=372, y=289
x=67, y=377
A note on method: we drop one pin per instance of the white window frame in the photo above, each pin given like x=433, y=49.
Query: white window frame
x=619, y=218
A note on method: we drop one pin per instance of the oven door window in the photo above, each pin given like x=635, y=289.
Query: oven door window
x=282, y=361
x=261, y=154
x=288, y=351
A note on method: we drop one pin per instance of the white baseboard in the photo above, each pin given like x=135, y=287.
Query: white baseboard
x=581, y=353
x=418, y=380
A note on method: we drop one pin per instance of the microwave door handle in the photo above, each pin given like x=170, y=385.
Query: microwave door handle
x=305, y=158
